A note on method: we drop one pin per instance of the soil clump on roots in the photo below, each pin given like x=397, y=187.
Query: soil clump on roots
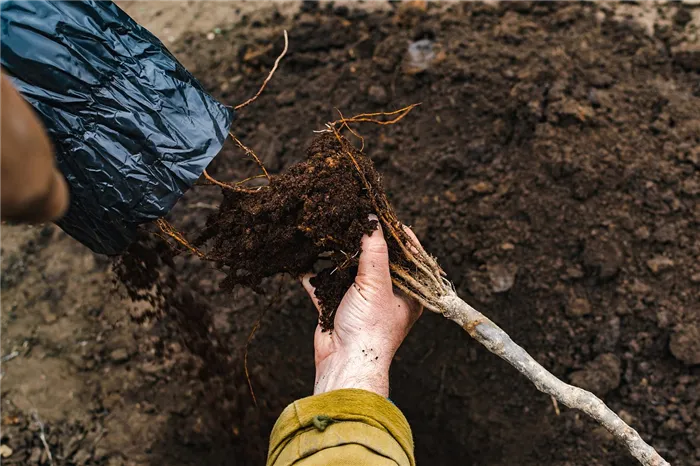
x=318, y=209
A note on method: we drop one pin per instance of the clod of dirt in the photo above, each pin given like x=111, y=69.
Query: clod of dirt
x=658, y=264
x=578, y=307
x=599, y=376
x=687, y=55
x=685, y=344
x=319, y=207
x=602, y=258
x=119, y=355
x=421, y=55
x=502, y=276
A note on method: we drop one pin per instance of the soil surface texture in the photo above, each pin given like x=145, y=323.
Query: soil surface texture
x=313, y=213
x=553, y=169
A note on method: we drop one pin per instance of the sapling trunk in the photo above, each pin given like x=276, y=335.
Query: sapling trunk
x=499, y=343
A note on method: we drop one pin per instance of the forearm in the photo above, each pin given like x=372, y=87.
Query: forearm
x=32, y=188
x=363, y=371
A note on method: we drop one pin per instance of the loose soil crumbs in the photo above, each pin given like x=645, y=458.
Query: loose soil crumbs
x=318, y=208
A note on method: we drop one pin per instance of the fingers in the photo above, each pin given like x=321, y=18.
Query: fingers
x=311, y=290
x=373, y=269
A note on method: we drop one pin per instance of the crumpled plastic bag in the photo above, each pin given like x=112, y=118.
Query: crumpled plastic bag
x=132, y=128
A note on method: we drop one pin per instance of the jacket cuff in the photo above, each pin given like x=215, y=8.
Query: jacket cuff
x=363, y=417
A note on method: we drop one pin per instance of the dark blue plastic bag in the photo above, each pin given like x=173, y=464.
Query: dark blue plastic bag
x=132, y=129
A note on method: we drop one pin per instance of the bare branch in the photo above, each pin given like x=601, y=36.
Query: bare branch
x=499, y=343
x=42, y=436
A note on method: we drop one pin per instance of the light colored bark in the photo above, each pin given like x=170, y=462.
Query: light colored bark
x=499, y=343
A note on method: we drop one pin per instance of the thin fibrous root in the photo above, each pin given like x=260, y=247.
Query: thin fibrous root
x=384, y=209
x=211, y=181
x=499, y=343
x=269, y=76
x=373, y=117
x=250, y=152
x=245, y=355
x=170, y=231
x=409, y=292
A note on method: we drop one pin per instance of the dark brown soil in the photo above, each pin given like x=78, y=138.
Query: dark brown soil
x=554, y=157
x=553, y=169
x=317, y=208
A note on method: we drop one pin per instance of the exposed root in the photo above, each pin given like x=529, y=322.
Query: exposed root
x=171, y=232
x=245, y=354
x=252, y=154
x=269, y=76
x=374, y=117
x=217, y=182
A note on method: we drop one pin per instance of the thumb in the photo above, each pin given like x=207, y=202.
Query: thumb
x=311, y=290
x=373, y=269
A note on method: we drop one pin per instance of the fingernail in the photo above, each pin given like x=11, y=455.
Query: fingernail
x=374, y=218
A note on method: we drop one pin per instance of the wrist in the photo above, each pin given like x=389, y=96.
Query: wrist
x=361, y=370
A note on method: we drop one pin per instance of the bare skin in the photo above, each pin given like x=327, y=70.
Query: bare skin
x=370, y=325
x=32, y=189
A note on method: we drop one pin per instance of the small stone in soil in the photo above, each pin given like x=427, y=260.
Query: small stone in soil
x=5, y=451
x=119, y=355
x=482, y=187
x=286, y=97
x=602, y=258
x=35, y=457
x=378, y=95
x=599, y=376
x=685, y=344
x=658, y=264
x=82, y=457
x=502, y=276
x=578, y=307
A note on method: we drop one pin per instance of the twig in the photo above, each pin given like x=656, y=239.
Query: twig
x=556, y=406
x=42, y=436
x=10, y=357
x=499, y=343
x=269, y=76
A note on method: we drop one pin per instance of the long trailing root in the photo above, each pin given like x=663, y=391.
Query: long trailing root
x=171, y=232
x=252, y=154
x=166, y=228
x=269, y=76
x=426, y=283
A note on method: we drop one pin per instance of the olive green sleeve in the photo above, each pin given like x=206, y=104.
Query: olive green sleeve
x=342, y=427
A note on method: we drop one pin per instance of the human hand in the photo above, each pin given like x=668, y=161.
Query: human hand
x=370, y=324
x=33, y=189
